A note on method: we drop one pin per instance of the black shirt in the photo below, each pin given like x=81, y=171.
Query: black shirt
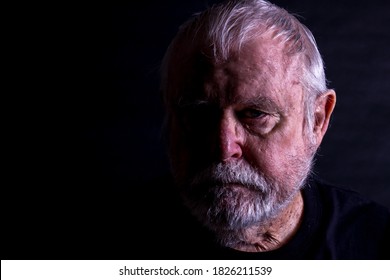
x=337, y=224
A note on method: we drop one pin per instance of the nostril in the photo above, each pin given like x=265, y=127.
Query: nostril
x=231, y=143
x=231, y=151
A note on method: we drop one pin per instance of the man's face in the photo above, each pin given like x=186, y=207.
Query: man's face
x=239, y=147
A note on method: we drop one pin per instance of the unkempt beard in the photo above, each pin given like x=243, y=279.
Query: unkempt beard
x=233, y=196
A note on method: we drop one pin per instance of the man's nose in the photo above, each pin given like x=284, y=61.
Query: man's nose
x=231, y=138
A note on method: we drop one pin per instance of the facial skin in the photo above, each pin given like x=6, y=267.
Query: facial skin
x=240, y=149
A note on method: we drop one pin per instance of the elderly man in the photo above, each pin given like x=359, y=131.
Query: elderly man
x=247, y=108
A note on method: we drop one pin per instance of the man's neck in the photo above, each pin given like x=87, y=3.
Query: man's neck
x=277, y=232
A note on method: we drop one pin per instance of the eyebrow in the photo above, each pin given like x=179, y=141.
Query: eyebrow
x=259, y=101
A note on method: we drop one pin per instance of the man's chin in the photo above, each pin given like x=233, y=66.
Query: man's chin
x=229, y=207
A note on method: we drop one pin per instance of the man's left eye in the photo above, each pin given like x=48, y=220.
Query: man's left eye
x=250, y=114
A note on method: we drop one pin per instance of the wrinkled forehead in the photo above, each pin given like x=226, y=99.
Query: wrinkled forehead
x=261, y=63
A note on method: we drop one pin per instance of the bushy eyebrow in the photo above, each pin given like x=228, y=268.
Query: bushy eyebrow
x=258, y=102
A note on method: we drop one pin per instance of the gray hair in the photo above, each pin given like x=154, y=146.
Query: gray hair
x=225, y=27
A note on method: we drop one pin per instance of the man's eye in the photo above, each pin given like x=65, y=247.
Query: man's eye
x=250, y=114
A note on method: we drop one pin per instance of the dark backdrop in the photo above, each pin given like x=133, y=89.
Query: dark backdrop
x=119, y=111
x=85, y=116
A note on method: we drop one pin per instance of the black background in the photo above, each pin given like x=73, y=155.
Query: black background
x=84, y=120
x=119, y=114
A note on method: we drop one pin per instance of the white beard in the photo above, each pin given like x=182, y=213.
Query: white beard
x=230, y=197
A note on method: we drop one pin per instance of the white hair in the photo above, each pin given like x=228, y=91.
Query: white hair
x=225, y=27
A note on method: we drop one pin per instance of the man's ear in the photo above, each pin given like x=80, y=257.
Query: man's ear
x=324, y=106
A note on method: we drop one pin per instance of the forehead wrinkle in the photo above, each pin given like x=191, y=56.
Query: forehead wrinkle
x=263, y=67
x=245, y=91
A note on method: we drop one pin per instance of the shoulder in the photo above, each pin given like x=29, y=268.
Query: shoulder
x=343, y=200
x=354, y=227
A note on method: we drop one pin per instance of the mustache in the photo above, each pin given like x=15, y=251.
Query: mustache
x=231, y=173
